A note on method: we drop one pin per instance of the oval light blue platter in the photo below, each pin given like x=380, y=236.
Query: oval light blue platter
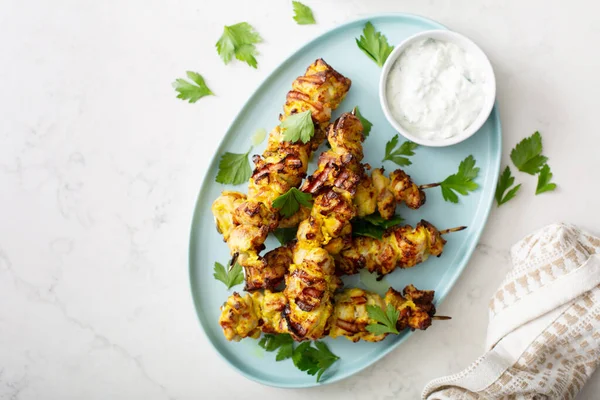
x=338, y=48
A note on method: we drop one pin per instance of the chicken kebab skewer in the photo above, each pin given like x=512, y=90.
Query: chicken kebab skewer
x=311, y=279
x=400, y=247
x=255, y=313
x=245, y=220
x=375, y=193
x=340, y=170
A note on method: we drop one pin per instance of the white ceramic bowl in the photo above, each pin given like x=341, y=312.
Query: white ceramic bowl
x=479, y=57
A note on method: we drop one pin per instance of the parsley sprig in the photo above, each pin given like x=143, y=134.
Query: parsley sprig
x=314, y=360
x=506, y=181
x=230, y=278
x=398, y=154
x=527, y=154
x=367, y=125
x=239, y=40
x=527, y=157
x=234, y=168
x=285, y=235
x=298, y=127
x=544, y=178
x=289, y=202
x=283, y=343
x=374, y=44
x=303, y=15
x=194, y=91
x=462, y=182
x=374, y=225
x=385, y=319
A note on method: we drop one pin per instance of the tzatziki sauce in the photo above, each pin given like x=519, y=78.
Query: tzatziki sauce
x=435, y=90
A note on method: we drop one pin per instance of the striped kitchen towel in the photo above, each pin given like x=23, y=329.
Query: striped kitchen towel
x=543, y=338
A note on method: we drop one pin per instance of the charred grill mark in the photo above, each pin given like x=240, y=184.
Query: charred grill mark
x=296, y=329
x=359, y=300
x=348, y=326
x=309, y=299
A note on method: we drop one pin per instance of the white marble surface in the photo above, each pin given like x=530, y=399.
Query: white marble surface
x=100, y=167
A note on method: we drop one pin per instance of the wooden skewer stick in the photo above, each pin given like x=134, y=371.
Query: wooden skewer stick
x=429, y=185
x=458, y=228
x=353, y=111
x=233, y=260
x=441, y=317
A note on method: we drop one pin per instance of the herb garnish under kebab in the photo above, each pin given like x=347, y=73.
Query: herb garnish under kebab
x=367, y=125
x=313, y=360
x=230, y=278
x=374, y=225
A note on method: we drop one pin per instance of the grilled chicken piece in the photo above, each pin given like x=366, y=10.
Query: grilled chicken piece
x=245, y=222
x=312, y=280
x=310, y=285
x=272, y=275
x=374, y=193
x=350, y=318
x=254, y=313
x=400, y=247
x=380, y=193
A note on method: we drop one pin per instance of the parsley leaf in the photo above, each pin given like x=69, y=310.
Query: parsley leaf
x=527, y=154
x=374, y=226
x=298, y=127
x=190, y=92
x=378, y=220
x=461, y=182
x=230, y=278
x=386, y=320
x=234, y=168
x=374, y=44
x=303, y=14
x=239, y=40
x=313, y=360
x=396, y=155
x=360, y=227
x=506, y=180
x=302, y=360
x=365, y=123
x=285, y=235
x=283, y=342
x=285, y=352
x=544, y=178
x=289, y=202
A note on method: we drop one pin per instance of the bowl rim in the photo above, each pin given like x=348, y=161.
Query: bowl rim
x=462, y=41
